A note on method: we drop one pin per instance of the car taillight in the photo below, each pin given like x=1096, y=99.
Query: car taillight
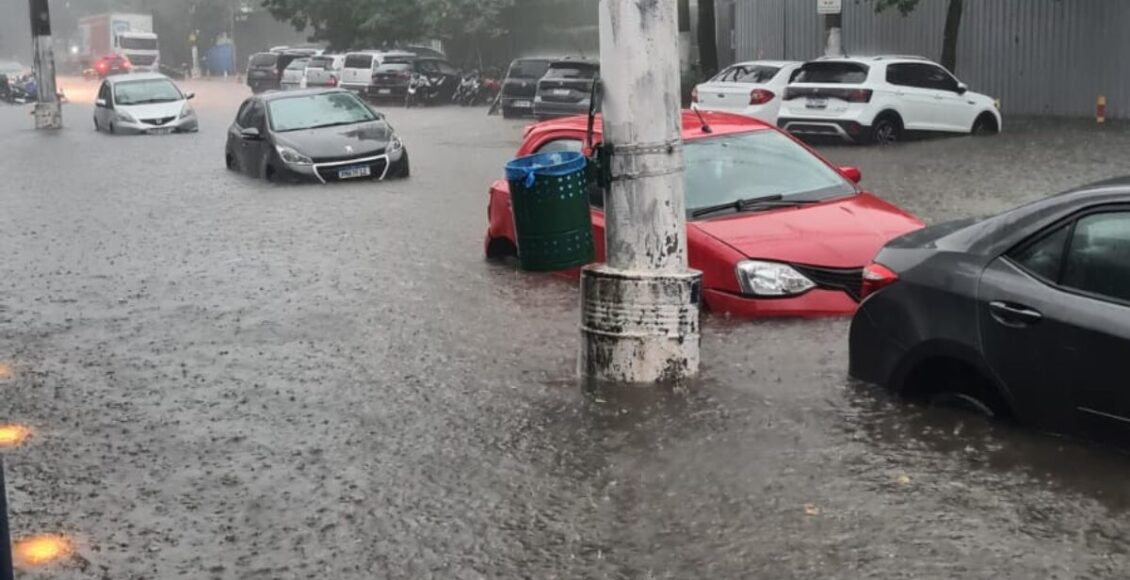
x=760, y=96
x=694, y=95
x=876, y=277
x=333, y=81
x=858, y=96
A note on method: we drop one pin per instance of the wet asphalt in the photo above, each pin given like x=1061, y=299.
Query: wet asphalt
x=235, y=380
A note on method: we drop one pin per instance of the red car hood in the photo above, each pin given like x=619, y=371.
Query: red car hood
x=845, y=233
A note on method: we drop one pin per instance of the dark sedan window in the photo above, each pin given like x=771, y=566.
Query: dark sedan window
x=1044, y=257
x=563, y=71
x=1099, y=261
x=528, y=69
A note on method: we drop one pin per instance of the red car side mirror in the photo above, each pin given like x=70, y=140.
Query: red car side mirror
x=851, y=173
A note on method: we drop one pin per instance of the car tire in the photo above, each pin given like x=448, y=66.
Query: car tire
x=112, y=130
x=985, y=125
x=231, y=162
x=960, y=401
x=886, y=130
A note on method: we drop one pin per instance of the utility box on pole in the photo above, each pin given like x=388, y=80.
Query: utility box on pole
x=640, y=311
x=48, y=110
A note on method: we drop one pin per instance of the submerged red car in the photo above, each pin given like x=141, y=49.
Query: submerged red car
x=775, y=228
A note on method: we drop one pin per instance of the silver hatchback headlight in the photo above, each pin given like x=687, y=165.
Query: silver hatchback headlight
x=758, y=278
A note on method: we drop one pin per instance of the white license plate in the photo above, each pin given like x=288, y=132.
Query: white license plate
x=817, y=103
x=522, y=104
x=355, y=172
x=562, y=92
x=384, y=91
x=161, y=131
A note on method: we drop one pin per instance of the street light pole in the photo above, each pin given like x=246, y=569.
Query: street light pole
x=48, y=110
x=639, y=312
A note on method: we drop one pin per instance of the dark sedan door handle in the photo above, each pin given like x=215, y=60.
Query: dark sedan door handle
x=1014, y=314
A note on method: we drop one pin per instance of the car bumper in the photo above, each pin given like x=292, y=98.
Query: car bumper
x=377, y=92
x=381, y=167
x=519, y=105
x=188, y=124
x=358, y=88
x=848, y=130
x=873, y=356
x=549, y=110
x=814, y=303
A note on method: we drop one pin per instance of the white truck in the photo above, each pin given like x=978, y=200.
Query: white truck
x=130, y=35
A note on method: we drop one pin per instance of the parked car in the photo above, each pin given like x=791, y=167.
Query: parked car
x=324, y=70
x=263, y=72
x=13, y=70
x=775, y=228
x=521, y=86
x=753, y=89
x=566, y=88
x=1024, y=315
x=396, y=72
x=294, y=75
x=357, y=71
x=313, y=135
x=878, y=99
x=143, y=104
x=113, y=64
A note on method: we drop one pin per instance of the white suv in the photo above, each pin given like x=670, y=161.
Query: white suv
x=877, y=99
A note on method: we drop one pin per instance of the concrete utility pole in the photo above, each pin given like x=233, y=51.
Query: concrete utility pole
x=640, y=311
x=48, y=110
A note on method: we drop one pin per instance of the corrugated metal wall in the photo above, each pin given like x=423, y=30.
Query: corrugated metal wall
x=1049, y=57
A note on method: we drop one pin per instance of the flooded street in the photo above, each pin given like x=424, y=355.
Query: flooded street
x=231, y=379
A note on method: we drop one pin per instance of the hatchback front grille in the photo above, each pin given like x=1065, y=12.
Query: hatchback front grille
x=849, y=280
x=160, y=121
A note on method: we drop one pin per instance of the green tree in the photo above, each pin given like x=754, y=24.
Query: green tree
x=952, y=30
x=345, y=24
x=467, y=24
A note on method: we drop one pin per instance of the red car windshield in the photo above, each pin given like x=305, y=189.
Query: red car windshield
x=740, y=166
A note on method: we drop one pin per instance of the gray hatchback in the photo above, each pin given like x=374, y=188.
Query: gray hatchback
x=1026, y=314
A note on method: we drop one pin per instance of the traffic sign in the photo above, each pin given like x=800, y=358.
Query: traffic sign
x=829, y=6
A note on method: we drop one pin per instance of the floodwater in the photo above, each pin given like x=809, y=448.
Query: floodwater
x=231, y=379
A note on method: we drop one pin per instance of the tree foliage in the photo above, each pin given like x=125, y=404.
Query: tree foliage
x=376, y=23
x=903, y=6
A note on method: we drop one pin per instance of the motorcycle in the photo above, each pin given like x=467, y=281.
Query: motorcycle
x=22, y=91
x=468, y=91
x=423, y=90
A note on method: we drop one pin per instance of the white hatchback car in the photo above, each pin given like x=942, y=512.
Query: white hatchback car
x=143, y=104
x=753, y=89
x=877, y=99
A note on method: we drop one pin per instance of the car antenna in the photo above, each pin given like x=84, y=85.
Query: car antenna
x=705, y=127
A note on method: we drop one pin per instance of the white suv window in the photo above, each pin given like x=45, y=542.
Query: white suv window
x=921, y=75
x=843, y=73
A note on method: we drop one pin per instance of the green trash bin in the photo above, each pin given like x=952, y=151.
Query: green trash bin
x=552, y=220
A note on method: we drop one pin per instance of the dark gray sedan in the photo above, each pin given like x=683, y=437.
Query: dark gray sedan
x=316, y=134
x=1026, y=314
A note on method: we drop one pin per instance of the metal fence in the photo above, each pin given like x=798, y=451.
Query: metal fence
x=1040, y=57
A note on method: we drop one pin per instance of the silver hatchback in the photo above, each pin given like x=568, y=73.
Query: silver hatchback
x=143, y=104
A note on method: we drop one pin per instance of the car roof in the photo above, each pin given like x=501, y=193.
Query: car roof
x=148, y=76
x=276, y=95
x=720, y=123
x=872, y=59
x=780, y=63
x=574, y=61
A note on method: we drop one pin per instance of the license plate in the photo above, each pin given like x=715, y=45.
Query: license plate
x=561, y=92
x=522, y=104
x=354, y=172
x=817, y=103
x=161, y=131
x=384, y=91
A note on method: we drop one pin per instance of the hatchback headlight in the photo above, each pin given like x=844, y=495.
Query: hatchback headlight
x=395, y=144
x=289, y=155
x=771, y=279
x=124, y=116
x=186, y=111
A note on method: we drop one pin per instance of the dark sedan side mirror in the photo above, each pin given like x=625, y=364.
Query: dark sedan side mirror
x=250, y=134
x=853, y=174
x=189, y=96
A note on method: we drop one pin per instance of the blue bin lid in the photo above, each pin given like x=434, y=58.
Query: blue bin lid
x=554, y=164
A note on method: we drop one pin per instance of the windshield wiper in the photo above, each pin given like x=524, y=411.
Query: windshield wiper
x=153, y=101
x=337, y=124
x=753, y=204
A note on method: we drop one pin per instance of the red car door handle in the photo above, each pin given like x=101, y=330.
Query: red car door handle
x=1014, y=315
